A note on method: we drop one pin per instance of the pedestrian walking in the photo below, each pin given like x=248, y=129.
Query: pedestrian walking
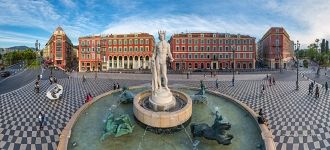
x=118, y=86
x=267, y=76
x=41, y=119
x=204, y=75
x=270, y=81
x=37, y=87
x=187, y=75
x=317, y=92
x=83, y=78
x=216, y=83
x=114, y=86
x=310, y=89
x=262, y=89
x=326, y=86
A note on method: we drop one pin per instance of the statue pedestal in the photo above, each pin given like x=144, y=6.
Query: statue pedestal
x=162, y=100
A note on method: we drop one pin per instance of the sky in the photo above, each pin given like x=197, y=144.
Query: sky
x=22, y=22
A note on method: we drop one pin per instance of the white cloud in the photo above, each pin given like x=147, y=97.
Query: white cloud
x=184, y=23
x=68, y=3
x=313, y=14
x=6, y=36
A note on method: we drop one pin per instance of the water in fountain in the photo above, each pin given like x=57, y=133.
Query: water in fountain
x=145, y=131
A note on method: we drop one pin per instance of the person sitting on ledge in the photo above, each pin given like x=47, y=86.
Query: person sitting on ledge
x=261, y=118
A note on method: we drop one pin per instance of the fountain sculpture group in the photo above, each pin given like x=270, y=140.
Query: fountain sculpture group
x=163, y=109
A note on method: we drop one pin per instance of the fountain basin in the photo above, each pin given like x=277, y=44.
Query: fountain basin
x=162, y=119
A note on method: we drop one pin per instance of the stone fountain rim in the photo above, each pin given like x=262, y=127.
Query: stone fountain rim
x=66, y=132
x=137, y=99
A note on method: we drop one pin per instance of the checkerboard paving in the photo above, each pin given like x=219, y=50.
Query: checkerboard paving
x=19, y=127
x=297, y=120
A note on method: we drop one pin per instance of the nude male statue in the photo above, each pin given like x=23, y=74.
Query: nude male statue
x=159, y=66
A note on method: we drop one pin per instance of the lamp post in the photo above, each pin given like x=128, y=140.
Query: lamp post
x=297, y=45
x=233, y=67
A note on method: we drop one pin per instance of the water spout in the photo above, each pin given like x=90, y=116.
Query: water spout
x=145, y=131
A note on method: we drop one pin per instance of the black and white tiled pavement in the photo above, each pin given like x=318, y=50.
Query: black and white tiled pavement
x=19, y=128
x=297, y=120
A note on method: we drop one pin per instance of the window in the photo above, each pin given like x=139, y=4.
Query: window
x=196, y=41
x=195, y=48
x=177, y=56
x=238, y=48
x=125, y=42
x=87, y=58
x=88, y=49
x=83, y=56
x=220, y=48
x=226, y=55
x=189, y=48
x=244, y=55
x=196, y=65
x=82, y=49
x=125, y=49
x=189, y=41
x=208, y=56
x=250, y=48
x=147, y=41
x=208, y=48
x=136, y=41
x=83, y=43
x=238, y=55
x=177, y=48
x=114, y=42
x=214, y=41
x=130, y=49
x=214, y=48
x=141, y=49
x=227, y=48
x=141, y=41
x=119, y=42
x=98, y=49
x=130, y=41
x=119, y=49
x=208, y=41
x=93, y=49
x=196, y=56
x=202, y=56
x=202, y=41
x=238, y=41
x=244, y=48
x=220, y=55
x=202, y=48
x=177, y=41
x=110, y=49
x=183, y=41
x=182, y=48
x=183, y=56
x=147, y=49
x=115, y=49
x=220, y=41
x=189, y=55
x=136, y=48
x=227, y=41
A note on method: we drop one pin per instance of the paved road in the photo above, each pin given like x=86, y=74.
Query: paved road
x=25, y=77
x=14, y=69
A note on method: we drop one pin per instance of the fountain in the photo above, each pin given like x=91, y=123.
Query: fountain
x=167, y=112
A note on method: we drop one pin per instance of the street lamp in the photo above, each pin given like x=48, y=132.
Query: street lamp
x=233, y=67
x=297, y=45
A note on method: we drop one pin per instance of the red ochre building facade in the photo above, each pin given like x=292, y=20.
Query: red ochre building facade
x=193, y=51
x=275, y=49
x=58, y=49
x=115, y=51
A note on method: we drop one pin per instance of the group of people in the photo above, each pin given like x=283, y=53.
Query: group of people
x=271, y=80
x=262, y=118
x=116, y=86
x=317, y=90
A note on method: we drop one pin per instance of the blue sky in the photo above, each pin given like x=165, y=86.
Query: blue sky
x=24, y=21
